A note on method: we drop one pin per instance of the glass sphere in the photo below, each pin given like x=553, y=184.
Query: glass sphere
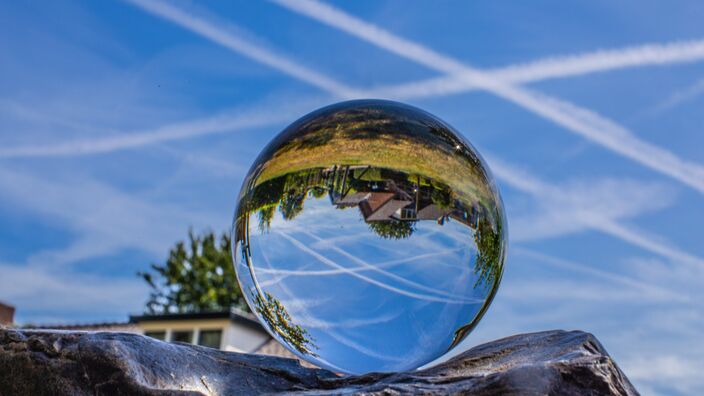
x=368, y=237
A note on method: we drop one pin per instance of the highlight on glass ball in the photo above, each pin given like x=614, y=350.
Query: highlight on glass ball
x=369, y=237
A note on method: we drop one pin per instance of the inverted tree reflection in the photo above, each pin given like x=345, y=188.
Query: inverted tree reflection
x=275, y=315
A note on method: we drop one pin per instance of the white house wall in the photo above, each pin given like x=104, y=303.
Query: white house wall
x=239, y=338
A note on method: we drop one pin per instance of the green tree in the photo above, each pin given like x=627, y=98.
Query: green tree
x=279, y=320
x=292, y=204
x=266, y=214
x=488, y=264
x=197, y=276
x=393, y=229
x=318, y=192
x=442, y=197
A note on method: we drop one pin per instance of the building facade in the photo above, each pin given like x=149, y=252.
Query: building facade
x=232, y=331
x=7, y=314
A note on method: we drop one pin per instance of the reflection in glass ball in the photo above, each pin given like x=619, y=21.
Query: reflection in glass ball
x=369, y=237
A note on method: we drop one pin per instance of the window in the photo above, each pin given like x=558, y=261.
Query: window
x=210, y=338
x=159, y=335
x=182, y=336
x=408, y=214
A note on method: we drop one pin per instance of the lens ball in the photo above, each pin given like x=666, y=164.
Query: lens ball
x=369, y=236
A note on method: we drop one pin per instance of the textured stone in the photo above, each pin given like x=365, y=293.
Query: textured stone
x=70, y=363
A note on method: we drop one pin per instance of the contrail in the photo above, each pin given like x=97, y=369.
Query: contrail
x=555, y=67
x=317, y=323
x=680, y=97
x=573, y=118
x=378, y=270
x=341, y=20
x=302, y=312
x=220, y=125
x=227, y=37
x=298, y=244
x=543, y=190
x=331, y=272
x=283, y=274
x=165, y=133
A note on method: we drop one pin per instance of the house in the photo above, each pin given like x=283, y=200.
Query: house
x=385, y=206
x=234, y=330
x=231, y=330
x=381, y=206
x=392, y=197
x=7, y=314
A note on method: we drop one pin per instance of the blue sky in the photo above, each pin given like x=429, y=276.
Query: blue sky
x=367, y=302
x=122, y=124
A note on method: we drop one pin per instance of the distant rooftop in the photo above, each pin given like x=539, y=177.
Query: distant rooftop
x=97, y=326
x=235, y=315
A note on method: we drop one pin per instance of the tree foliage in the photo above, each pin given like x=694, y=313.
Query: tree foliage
x=198, y=276
x=442, y=197
x=279, y=320
x=488, y=265
x=393, y=229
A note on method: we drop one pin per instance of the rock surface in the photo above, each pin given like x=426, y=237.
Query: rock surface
x=72, y=363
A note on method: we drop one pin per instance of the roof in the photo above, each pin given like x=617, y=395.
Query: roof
x=430, y=212
x=375, y=200
x=353, y=199
x=2, y=304
x=100, y=326
x=386, y=211
x=235, y=315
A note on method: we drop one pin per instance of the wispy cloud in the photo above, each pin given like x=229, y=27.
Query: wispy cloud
x=660, y=303
x=59, y=291
x=553, y=211
x=580, y=121
x=683, y=372
x=644, y=288
x=104, y=218
x=587, y=212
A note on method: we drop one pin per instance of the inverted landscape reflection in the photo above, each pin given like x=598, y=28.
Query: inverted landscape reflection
x=369, y=237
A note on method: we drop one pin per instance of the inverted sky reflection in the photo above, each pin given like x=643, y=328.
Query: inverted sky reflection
x=375, y=285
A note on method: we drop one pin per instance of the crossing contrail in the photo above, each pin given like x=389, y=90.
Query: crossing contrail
x=543, y=190
x=377, y=36
x=683, y=52
x=383, y=272
x=229, y=37
x=580, y=121
x=301, y=246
